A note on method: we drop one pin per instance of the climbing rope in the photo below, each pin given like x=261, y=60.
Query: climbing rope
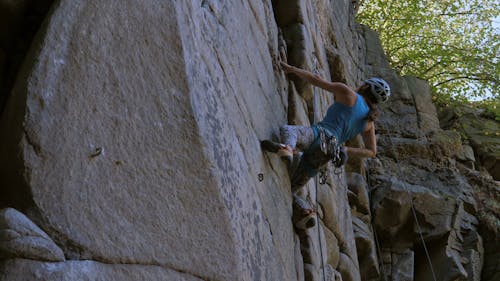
x=377, y=244
x=423, y=241
x=393, y=150
x=321, y=179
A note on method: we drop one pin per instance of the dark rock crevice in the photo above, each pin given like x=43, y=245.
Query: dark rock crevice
x=19, y=22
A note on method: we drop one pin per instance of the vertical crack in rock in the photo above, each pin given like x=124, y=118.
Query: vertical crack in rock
x=297, y=22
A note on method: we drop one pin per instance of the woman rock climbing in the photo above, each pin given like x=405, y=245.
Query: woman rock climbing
x=352, y=113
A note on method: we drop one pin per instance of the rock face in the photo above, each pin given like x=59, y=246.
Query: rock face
x=21, y=238
x=481, y=132
x=156, y=172
x=131, y=137
x=20, y=269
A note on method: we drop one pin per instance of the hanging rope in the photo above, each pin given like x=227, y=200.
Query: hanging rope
x=423, y=241
x=317, y=180
x=379, y=251
x=375, y=236
x=377, y=244
x=393, y=150
x=319, y=230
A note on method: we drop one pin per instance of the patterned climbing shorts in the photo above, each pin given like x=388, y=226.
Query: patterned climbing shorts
x=300, y=137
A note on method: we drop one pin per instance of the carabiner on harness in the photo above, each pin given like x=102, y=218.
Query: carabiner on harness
x=323, y=176
x=329, y=146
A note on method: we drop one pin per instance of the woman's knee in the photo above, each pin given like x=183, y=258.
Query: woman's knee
x=286, y=129
x=288, y=132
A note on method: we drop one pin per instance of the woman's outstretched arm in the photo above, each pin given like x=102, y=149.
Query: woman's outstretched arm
x=341, y=91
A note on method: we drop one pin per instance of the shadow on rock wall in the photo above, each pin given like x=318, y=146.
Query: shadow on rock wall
x=19, y=22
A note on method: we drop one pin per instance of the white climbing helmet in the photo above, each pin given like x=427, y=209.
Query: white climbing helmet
x=379, y=88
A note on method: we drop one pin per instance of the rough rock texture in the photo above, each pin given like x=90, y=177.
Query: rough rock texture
x=363, y=231
x=487, y=193
x=22, y=270
x=132, y=134
x=21, y=238
x=481, y=132
x=424, y=210
x=125, y=144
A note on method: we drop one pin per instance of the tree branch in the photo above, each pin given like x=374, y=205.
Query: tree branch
x=467, y=77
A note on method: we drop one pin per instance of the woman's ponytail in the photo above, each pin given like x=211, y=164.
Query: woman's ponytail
x=371, y=102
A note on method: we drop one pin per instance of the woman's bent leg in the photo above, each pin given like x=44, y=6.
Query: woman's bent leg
x=297, y=136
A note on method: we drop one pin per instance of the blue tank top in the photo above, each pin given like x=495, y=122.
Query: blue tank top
x=346, y=122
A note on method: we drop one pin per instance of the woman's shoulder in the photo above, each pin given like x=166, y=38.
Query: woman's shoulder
x=345, y=95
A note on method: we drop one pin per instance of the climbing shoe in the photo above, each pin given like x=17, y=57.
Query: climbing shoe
x=284, y=151
x=304, y=216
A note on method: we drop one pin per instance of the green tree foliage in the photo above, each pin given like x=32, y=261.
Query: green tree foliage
x=451, y=43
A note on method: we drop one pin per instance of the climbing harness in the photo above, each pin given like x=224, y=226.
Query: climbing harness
x=322, y=176
x=424, y=245
x=329, y=145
